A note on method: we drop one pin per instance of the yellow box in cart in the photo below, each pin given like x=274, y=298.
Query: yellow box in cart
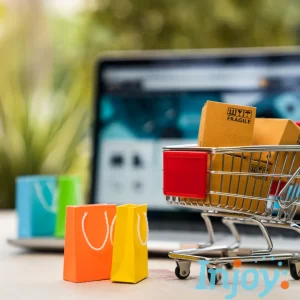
x=254, y=186
x=277, y=132
x=226, y=125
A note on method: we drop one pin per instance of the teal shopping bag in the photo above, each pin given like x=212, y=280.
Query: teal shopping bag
x=36, y=205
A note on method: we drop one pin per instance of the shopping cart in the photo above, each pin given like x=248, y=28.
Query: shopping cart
x=281, y=186
x=234, y=183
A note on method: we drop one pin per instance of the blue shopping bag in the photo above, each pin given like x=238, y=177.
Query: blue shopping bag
x=36, y=205
x=291, y=193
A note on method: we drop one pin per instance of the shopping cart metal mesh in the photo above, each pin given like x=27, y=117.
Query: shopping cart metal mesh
x=251, y=184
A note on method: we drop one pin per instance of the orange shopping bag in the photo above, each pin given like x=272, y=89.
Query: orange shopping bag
x=89, y=242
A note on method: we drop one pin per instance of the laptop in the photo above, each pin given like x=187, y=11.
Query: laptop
x=145, y=101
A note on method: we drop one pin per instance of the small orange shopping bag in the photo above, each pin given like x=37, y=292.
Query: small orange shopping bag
x=89, y=242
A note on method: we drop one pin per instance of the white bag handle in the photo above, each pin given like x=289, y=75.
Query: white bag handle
x=138, y=229
x=111, y=230
x=42, y=199
x=86, y=238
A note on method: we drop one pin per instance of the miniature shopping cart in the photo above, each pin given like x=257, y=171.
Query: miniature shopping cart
x=235, y=184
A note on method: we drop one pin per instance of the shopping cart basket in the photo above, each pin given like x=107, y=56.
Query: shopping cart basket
x=235, y=184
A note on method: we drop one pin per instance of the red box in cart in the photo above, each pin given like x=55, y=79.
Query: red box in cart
x=185, y=173
x=189, y=175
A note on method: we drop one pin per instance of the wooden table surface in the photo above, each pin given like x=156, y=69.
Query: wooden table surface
x=25, y=275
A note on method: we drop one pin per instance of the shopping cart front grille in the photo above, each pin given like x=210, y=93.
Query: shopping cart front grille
x=262, y=181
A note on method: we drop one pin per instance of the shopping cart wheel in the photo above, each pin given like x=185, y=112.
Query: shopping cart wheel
x=217, y=277
x=182, y=270
x=295, y=270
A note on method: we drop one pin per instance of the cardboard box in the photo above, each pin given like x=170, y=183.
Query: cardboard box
x=226, y=125
x=242, y=185
x=277, y=132
x=235, y=184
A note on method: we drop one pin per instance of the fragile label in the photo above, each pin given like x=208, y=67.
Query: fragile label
x=239, y=115
x=259, y=169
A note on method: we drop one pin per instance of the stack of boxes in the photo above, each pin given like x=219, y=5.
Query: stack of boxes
x=227, y=125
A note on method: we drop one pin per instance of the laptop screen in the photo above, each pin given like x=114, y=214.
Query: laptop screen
x=145, y=105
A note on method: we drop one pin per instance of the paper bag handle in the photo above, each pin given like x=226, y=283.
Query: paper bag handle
x=138, y=229
x=42, y=199
x=111, y=230
x=86, y=238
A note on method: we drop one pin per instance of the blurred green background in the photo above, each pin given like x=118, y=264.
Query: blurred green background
x=47, y=53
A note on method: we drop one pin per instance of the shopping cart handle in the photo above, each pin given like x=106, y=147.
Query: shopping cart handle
x=282, y=203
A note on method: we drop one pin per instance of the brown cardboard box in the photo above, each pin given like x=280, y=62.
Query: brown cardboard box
x=242, y=185
x=296, y=164
x=226, y=125
x=277, y=132
x=234, y=184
